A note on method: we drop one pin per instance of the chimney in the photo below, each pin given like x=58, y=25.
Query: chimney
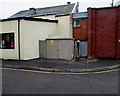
x=32, y=9
x=68, y=3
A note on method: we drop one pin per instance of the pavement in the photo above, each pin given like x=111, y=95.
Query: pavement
x=80, y=65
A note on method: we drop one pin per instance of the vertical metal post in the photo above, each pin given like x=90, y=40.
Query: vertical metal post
x=19, y=39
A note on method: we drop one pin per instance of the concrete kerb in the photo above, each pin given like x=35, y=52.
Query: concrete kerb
x=63, y=70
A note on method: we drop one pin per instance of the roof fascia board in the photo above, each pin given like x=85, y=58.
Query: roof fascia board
x=31, y=19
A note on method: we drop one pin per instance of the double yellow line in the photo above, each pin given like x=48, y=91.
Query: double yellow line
x=59, y=72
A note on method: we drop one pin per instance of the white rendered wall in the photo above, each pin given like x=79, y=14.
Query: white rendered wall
x=64, y=25
x=31, y=33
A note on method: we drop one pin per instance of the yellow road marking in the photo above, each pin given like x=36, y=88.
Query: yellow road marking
x=24, y=70
x=88, y=61
x=108, y=71
x=60, y=72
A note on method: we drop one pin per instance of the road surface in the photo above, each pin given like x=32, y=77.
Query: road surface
x=27, y=82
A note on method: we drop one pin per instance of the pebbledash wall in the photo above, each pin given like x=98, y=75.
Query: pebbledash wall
x=27, y=33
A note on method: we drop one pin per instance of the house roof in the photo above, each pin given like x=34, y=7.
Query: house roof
x=80, y=15
x=55, y=10
x=29, y=18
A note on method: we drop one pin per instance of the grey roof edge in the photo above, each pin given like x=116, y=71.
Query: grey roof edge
x=80, y=15
x=29, y=18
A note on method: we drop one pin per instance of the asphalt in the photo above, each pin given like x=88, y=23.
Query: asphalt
x=22, y=82
x=75, y=66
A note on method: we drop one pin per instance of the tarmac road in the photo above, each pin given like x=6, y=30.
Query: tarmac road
x=27, y=82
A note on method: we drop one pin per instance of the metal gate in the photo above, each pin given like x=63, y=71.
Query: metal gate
x=83, y=48
x=80, y=48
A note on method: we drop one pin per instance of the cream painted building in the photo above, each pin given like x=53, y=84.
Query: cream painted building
x=20, y=40
x=22, y=31
x=64, y=27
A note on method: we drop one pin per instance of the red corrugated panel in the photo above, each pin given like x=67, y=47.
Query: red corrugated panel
x=118, y=34
x=81, y=33
x=76, y=33
x=103, y=32
x=106, y=33
x=89, y=32
x=84, y=30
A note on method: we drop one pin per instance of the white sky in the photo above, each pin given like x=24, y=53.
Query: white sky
x=10, y=7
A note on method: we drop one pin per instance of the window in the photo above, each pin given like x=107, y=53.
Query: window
x=77, y=22
x=7, y=41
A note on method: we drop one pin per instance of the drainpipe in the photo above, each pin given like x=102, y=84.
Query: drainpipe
x=19, y=39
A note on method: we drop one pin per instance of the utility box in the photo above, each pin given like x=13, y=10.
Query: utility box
x=60, y=48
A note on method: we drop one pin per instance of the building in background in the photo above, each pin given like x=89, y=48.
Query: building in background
x=97, y=32
x=80, y=33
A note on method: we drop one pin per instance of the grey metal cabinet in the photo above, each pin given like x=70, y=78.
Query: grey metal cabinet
x=60, y=48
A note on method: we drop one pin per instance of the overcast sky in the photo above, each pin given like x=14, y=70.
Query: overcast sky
x=10, y=7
